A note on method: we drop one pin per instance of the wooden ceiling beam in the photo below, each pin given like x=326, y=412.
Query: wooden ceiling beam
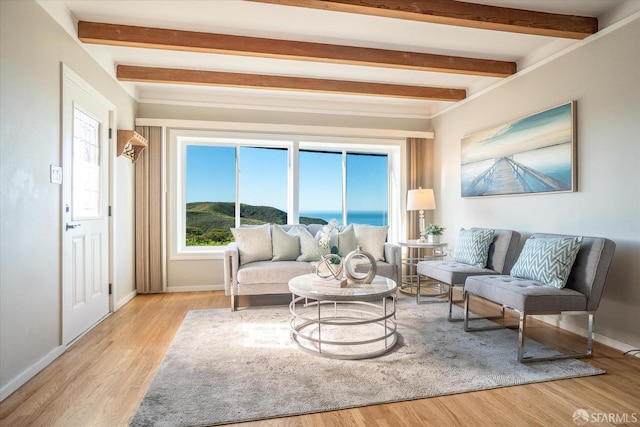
x=255, y=81
x=464, y=14
x=157, y=38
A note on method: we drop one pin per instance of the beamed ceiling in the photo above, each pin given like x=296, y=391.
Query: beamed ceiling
x=377, y=57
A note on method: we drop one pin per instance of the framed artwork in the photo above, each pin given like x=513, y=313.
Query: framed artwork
x=534, y=154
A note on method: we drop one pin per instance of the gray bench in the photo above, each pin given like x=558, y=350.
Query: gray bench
x=581, y=295
x=502, y=253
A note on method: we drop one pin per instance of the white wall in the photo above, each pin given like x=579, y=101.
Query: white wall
x=32, y=47
x=319, y=116
x=603, y=75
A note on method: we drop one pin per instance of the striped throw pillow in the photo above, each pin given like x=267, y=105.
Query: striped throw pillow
x=547, y=260
x=472, y=247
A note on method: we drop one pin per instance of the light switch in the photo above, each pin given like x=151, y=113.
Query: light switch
x=56, y=174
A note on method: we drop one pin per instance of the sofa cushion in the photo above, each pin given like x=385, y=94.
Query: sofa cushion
x=310, y=249
x=450, y=272
x=371, y=239
x=286, y=245
x=472, y=247
x=547, y=260
x=525, y=295
x=264, y=272
x=344, y=240
x=314, y=229
x=254, y=243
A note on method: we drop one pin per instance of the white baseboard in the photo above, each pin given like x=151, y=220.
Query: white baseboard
x=30, y=372
x=122, y=301
x=610, y=342
x=195, y=288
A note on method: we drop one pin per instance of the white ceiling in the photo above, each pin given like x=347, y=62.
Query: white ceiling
x=236, y=17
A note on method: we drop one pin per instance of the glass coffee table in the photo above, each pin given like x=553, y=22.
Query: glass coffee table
x=352, y=322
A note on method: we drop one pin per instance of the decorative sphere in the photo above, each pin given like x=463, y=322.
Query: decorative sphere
x=329, y=266
x=350, y=272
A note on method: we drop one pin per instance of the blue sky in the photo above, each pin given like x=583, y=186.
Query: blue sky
x=263, y=178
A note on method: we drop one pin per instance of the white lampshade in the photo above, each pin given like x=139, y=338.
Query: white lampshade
x=420, y=200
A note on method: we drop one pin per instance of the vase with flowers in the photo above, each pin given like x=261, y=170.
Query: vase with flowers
x=325, y=234
x=331, y=263
x=433, y=233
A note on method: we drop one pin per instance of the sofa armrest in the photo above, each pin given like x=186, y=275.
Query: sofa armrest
x=231, y=262
x=393, y=256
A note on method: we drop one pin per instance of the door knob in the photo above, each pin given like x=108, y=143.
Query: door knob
x=71, y=226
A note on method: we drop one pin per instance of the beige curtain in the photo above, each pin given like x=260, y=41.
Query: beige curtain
x=148, y=213
x=419, y=174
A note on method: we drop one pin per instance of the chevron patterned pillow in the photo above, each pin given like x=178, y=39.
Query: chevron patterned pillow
x=472, y=247
x=547, y=260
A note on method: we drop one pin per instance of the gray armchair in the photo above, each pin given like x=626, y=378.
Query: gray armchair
x=502, y=253
x=581, y=294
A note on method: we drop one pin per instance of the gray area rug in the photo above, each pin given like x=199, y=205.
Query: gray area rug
x=224, y=367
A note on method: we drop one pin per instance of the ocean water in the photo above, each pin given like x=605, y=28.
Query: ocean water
x=358, y=217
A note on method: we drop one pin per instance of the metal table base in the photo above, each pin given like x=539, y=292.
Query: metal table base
x=343, y=329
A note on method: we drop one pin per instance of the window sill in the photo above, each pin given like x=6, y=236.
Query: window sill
x=199, y=254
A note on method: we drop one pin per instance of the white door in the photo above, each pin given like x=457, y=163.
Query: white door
x=85, y=228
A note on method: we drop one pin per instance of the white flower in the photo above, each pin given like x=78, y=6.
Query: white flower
x=325, y=235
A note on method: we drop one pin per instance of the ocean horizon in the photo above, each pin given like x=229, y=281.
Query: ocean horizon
x=376, y=217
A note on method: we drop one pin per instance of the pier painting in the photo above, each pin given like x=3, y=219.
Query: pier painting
x=535, y=154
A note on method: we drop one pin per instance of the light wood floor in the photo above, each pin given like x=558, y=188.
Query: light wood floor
x=101, y=379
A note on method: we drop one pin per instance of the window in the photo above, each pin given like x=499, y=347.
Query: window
x=210, y=189
x=320, y=177
x=87, y=183
x=263, y=185
x=367, y=188
x=358, y=191
x=225, y=182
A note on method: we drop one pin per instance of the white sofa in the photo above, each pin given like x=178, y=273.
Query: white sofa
x=264, y=258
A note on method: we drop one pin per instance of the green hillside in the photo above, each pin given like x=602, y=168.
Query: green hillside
x=209, y=223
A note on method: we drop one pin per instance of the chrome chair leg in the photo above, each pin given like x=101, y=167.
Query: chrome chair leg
x=423, y=300
x=466, y=318
x=522, y=358
x=522, y=326
x=450, y=317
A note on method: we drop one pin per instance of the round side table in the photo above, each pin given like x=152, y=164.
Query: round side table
x=416, y=252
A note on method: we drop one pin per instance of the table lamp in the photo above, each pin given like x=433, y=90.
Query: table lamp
x=420, y=200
